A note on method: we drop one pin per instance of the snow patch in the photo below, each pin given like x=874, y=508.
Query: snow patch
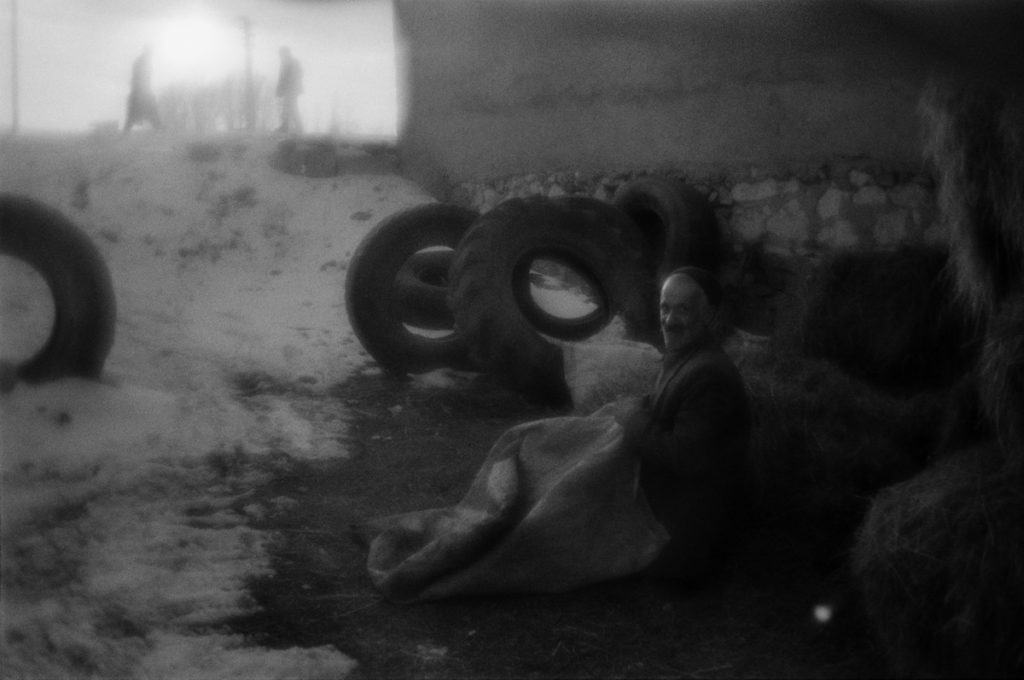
x=126, y=531
x=443, y=379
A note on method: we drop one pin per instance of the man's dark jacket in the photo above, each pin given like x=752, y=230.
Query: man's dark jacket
x=692, y=437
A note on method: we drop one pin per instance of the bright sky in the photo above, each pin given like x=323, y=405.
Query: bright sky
x=75, y=56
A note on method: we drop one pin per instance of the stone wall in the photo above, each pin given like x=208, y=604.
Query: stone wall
x=777, y=224
x=852, y=204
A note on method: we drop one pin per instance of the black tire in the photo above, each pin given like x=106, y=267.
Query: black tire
x=676, y=219
x=490, y=286
x=422, y=290
x=393, y=253
x=85, y=309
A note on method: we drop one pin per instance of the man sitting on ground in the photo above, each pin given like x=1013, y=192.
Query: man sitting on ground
x=560, y=503
x=692, y=433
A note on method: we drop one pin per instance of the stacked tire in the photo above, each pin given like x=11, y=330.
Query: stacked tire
x=675, y=218
x=473, y=279
x=396, y=289
x=490, y=292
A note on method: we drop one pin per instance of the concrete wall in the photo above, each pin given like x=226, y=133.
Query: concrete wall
x=515, y=86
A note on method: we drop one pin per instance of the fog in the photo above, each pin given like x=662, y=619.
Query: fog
x=73, y=58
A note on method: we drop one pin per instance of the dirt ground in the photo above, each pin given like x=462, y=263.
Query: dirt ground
x=414, y=448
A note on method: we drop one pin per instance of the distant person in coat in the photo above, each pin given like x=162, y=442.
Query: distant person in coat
x=141, y=100
x=691, y=434
x=289, y=87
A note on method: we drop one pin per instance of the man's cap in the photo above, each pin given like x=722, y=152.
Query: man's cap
x=705, y=279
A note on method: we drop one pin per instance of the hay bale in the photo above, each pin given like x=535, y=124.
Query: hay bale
x=888, y=318
x=1001, y=379
x=940, y=565
x=940, y=558
x=764, y=292
x=974, y=132
x=824, y=442
x=599, y=372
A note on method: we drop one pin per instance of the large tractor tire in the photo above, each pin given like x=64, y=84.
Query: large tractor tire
x=422, y=290
x=396, y=290
x=84, y=307
x=491, y=290
x=676, y=219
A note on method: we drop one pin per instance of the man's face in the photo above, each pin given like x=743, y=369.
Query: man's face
x=685, y=313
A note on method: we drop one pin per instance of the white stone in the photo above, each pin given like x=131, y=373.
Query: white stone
x=830, y=203
x=755, y=191
x=910, y=196
x=871, y=196
x=859, y=178
x=555, y=191
x=748, y=224
x=790, y=223
x=776, y=247
x=839, y=235
x=891, y=228
x=937, y=233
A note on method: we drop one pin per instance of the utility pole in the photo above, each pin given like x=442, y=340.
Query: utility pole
x=14, y=66
x=250, y=104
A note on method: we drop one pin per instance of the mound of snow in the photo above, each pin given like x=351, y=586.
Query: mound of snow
x=126, y=541
x=121, y=535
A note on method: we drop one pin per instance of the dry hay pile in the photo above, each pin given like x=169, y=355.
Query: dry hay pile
x=1000, y=374
x=824, y=442
x=975, y=139
x=888, y=318
x=940, y=560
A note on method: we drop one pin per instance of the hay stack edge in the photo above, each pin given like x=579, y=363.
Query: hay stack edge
x=939, y=559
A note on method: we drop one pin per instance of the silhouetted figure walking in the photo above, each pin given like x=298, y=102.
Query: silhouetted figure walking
x=289, y=87
x=141, y=100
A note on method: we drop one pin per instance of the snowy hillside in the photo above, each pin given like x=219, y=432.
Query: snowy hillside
x=125, y=537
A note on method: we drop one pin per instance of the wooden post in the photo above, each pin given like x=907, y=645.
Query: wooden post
x=250, y=103
x=14, y=66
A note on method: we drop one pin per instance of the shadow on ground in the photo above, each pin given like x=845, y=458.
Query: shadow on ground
x=324, y=156
x=414, y=448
